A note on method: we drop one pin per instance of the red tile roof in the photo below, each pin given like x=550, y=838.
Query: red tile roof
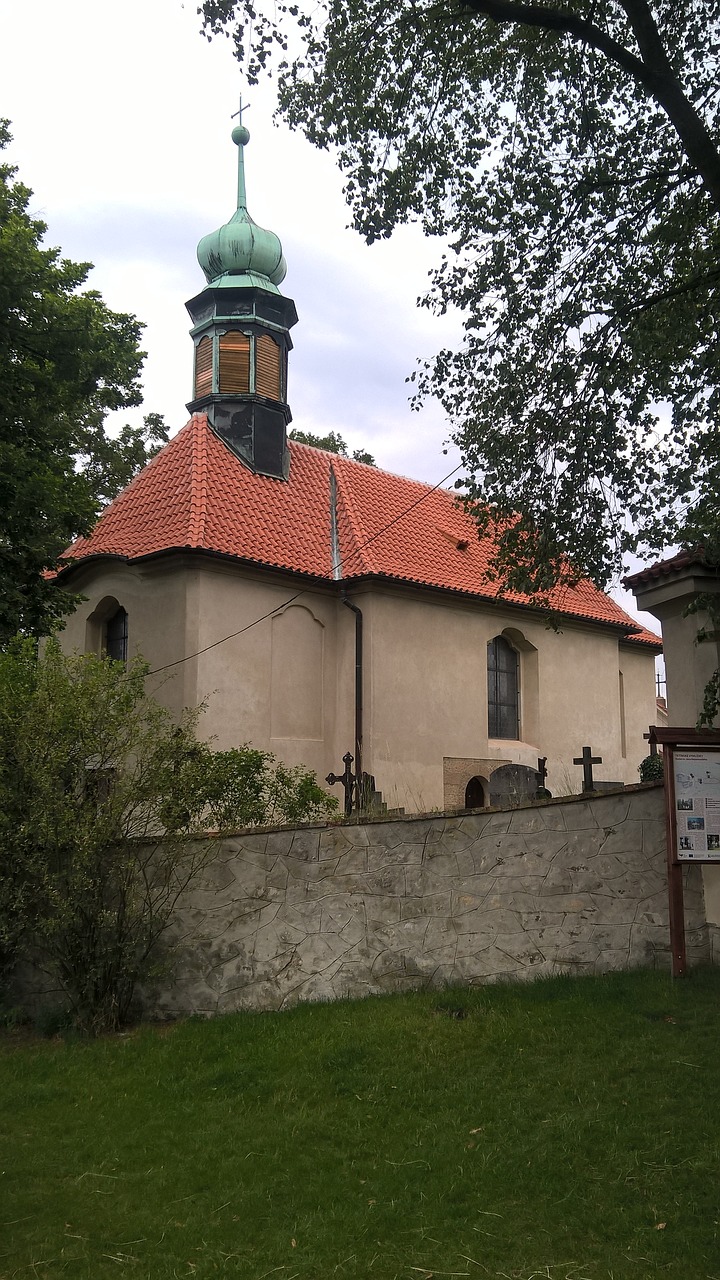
x=196, y=495
x=643, y=636
x=666, y=568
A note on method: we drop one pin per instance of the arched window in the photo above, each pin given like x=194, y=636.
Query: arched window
x=503, y=690
x=116, y=636
x=267, y=367
x=234, y=371
x=203, y=367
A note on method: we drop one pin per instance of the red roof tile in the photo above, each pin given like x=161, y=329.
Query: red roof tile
x=666, y=568
x=645, y=637
x=196, y=495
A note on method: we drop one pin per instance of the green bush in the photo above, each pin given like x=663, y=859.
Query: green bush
x=651, y=769
x=102, y=798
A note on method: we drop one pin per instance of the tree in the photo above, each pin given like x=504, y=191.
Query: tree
x=334, y=443
x=66, y=361
x=102, y=798
x=568, y=152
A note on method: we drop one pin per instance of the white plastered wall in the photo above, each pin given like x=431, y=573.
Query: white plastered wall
x=156, y=596
x=287, y=683
x=426, y=671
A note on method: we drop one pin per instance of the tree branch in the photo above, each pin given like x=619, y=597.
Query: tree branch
x=669, y=295
x=653, y=70
x=550, y=19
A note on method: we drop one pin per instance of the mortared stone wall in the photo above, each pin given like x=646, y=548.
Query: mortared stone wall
x=320, y=913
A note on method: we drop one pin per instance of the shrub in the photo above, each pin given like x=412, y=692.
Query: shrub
x=651, y=769
x=102, y=796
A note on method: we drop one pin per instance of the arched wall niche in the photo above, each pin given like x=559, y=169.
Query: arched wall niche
x=296, y=675
x=477, y=793
x=300, y=608
x=458, y=773
x=623, y=724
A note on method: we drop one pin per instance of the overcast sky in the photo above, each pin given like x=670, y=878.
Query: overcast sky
x=121, y=121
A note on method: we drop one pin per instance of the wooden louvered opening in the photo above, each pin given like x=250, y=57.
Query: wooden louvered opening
x=203, y=367
x=234, y=362
x=267, y=368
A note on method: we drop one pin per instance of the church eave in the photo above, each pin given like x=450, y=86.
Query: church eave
x=622, y=630
x=187, y=549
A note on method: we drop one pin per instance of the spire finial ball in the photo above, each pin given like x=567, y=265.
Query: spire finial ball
x=240, y=135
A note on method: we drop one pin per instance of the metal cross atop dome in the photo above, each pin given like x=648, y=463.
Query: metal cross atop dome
x=241, y=137
x=241, y=252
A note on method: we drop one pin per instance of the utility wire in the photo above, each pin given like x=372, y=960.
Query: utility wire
x=215, y=643
x=284, y=604
x=402, y=514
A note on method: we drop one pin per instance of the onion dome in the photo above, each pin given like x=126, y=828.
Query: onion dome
x=241, y=253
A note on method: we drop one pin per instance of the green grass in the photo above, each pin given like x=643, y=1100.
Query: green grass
x=567, y=1129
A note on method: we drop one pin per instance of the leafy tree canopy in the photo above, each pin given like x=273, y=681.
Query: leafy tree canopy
x=66, y=361
x=568, y=152
x=334, y=442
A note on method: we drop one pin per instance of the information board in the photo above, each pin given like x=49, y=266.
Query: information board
x=696, y=776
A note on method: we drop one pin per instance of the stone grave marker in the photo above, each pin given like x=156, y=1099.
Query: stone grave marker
x=513, y=784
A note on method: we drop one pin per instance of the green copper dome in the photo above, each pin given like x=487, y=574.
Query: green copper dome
x=242, y=253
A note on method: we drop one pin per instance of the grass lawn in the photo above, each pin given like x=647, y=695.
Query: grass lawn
x=567, y=1129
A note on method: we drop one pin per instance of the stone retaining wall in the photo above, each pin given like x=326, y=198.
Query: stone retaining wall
x=322, y=913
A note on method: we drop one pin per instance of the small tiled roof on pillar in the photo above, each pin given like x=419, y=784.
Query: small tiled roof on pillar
x=197, y=496
x=665, y=569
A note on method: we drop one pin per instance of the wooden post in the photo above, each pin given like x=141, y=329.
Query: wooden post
x=690, y=738
x=676, y=904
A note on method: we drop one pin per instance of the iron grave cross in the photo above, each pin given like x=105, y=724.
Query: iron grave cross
x=348, y=781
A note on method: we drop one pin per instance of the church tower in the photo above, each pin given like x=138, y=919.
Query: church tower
x=241, y=331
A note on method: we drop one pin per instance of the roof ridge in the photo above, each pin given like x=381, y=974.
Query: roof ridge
x=121, y=499
x=355, y=552
x=198, y=481
x=367, y=466
x=156, y=458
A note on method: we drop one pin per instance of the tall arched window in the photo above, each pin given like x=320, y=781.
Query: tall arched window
x=116, y=636
x=503, y=690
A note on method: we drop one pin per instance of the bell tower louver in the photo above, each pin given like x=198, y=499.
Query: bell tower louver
x=241, y=331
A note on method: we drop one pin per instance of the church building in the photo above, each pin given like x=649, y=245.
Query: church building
x=319, y=606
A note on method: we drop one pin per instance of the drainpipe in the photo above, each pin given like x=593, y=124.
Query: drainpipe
x=358, y=694
x=338, y=575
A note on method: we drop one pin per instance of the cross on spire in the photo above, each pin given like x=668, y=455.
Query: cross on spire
x=241, y=137
x=587, y=760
